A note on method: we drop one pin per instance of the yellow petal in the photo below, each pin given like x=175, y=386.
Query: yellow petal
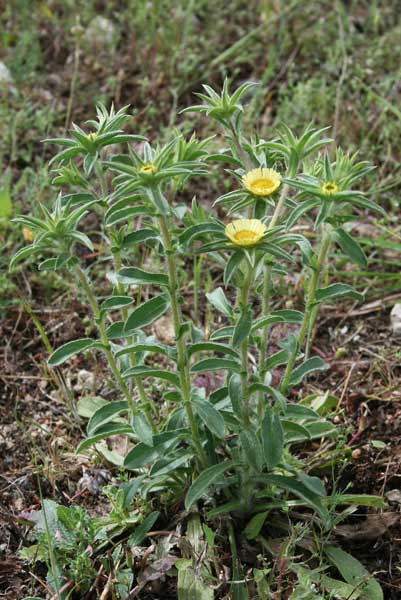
x=245, y=232
x=262, y=182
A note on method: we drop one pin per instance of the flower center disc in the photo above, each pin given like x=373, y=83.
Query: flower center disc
x=262, y=186
x=330, y=188
x=246, y=236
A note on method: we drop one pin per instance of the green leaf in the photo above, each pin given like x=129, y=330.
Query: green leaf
x=120, y=212
x=215, y=364
x=103, y=432
x=222, y=334
x=337, y=290
x=212, y=347
x=254, y=526
x=354, y=573
x=272, y=438
x=5, y=205
x=219, y=301
x=298, y=489
x=140, y=532
x=252, y=449
x=116, y=302
x=294, y=432
x=134, y=275
x=88, y=405
x=138, y=237
x=21, y=254
x=106, y=413
x=210, y=416
x=145, y=314
x=243, y=326
x=144, y=347
x=142, y=429
x=319, y=429
x=142, y=454
x=70, y=348
x=312, y=364
x=350, y=247
x=199, y=230
x=232, y=265
x=314, y=484
x=143, y=371
x=235, y=394
x=207, y=478
x=360, y=500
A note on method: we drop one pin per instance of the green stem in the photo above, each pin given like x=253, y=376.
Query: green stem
x=103, y=337
x=309, y=305
x=266, y=293
x=182, y=364
x=244, y=299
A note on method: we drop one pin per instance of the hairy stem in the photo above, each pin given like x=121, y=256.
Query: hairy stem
x=244, y=299
x=309, y=305
x=182, y=363
x=103, y=337
x=266, y=293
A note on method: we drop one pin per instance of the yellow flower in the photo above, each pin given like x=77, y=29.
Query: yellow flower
x=27, y=234
x=148, y=169
x=329, y=188
x=262, y=182
x=92, y=136
x=245, y=232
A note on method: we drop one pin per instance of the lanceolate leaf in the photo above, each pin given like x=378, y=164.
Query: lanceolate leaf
x=142, y=454
x=143, y=371
x=354, y=573
x=272, y=438
x=142, y=429
x=243, y=327
x=135, y=275
x=210, y=416
x=207, y=478
x=146, y=313
x=211, y=347
x=70, y=349
x=219, y=301
x=103, y=432
x=106, y=413
x=337, y=290
x=252, y=449
x=116, y=302
x=299, y=489
x=216, y=364
x=312, y=364
x=351, y=248
x=140, y=532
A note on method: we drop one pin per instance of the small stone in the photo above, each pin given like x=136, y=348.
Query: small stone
x=85, y=381
x=100, y=32
x=5, y=76
x=395, y=318
x=394, y=496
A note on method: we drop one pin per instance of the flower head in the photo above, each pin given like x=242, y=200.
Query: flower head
x=92, y=136
x=261, y=182
x=148, y=169
x=329, y=188
x=245, y=232
x=27, y=234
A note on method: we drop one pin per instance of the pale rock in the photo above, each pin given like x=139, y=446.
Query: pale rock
x=395, y=317
x=85, y=380
x=100, y=32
